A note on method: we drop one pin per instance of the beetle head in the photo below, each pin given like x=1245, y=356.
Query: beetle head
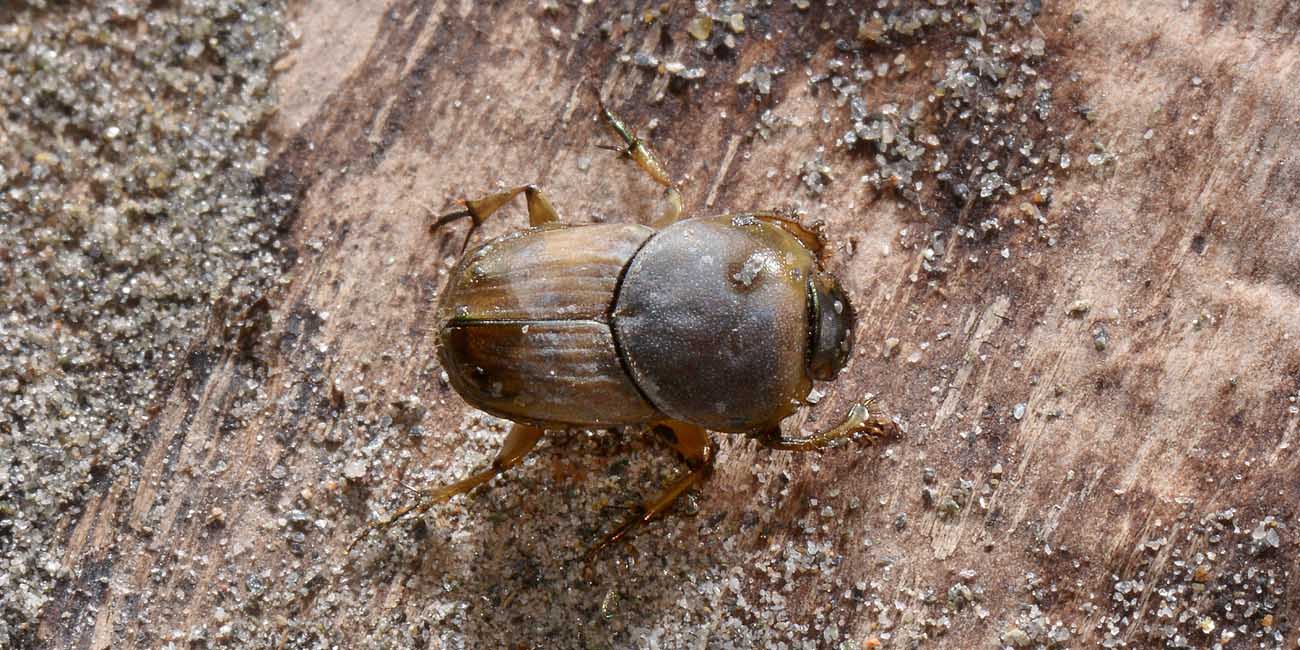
x=830, y=326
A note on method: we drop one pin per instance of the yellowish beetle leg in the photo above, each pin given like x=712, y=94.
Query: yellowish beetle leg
x=859, y=424
x=697, y=450
x=639, y=151
x=540, y=211
x=521, y=440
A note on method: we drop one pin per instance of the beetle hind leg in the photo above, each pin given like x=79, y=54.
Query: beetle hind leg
x=860, y=424
x=639, y=152
x=521, y=440
x=696, y=449
x=540, y=211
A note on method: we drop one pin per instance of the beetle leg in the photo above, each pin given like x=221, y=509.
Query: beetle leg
x=696, y=448
x=671, y=213
x=478, y=210
x=639, y=151
x=860, y=424
x=521, y=440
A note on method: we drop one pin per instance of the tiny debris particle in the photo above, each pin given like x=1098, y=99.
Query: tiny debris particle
x=891, y=347
x=355, y=469
x=816, y=175
x=298, y=519
x=1272, y=539
x=753, y=267
x=1016, y=637
x=1078, y=308
x=949, y=506
x=645, y=60
x=760, y=77
x=1019, y=411
x=700, y=27
x=1201, y=573
x=1100, y=339
x=609, y=605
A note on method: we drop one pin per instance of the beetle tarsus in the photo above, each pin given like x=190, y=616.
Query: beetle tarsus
x=692, y=442
x=450, y=217
x=646, y=512
x=456, y=216
x=860, y=424
x=521, y=440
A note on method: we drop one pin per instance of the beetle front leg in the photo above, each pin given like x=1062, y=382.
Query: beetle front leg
x=540, y=211
x=637, y=149
x=696, y=448
x=521, y=440
x=859, y=424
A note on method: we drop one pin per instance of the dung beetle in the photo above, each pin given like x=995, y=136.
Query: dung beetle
x=689, y=325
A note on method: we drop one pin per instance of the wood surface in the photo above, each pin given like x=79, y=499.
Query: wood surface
x=1074, y=484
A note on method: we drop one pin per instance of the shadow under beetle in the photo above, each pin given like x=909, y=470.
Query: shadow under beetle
x=690, y=325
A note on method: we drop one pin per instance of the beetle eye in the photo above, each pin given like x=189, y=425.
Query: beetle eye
x=830, y=327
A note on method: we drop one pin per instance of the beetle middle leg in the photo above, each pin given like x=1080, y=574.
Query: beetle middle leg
x=860, y=423
x=637, y=149
x=696, y=448
x=521, y=440
x=540, y=211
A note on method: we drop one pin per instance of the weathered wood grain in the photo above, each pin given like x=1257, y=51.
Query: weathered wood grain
x=1096, y=480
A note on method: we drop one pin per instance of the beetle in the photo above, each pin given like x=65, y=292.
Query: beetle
x=689, y=325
